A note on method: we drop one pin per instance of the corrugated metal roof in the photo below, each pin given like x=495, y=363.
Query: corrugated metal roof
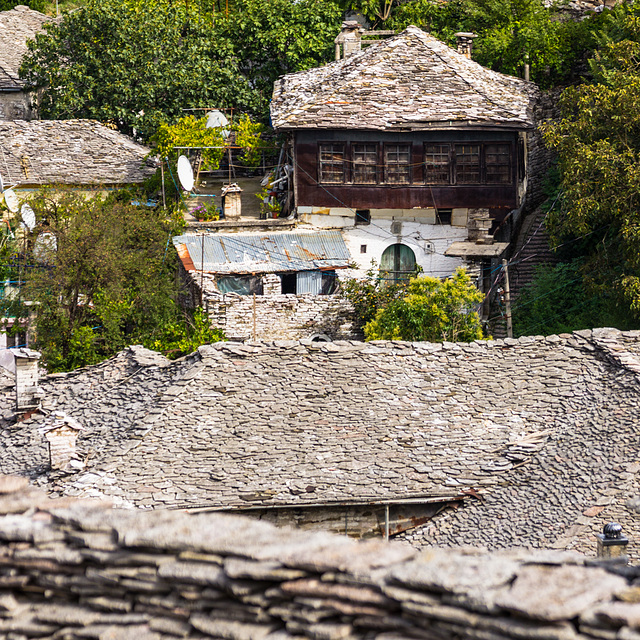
x=263, y=253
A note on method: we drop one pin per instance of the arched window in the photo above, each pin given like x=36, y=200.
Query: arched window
x=398, y=262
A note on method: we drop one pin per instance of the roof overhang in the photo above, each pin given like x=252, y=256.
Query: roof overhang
x=474, y=250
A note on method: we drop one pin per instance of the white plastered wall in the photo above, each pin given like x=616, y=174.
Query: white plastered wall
x=415, y=228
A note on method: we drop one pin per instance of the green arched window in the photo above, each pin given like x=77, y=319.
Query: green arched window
x=398, y=262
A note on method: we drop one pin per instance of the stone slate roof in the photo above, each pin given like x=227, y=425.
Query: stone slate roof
x=73, y=152
x=78, y=570
x=263, y=252
x=16, y=27
x=544, y=430
x=408, y=82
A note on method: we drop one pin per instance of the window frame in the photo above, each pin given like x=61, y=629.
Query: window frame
x=397, y=164
x=373, y=161
x=336, y=147
x=454, y=166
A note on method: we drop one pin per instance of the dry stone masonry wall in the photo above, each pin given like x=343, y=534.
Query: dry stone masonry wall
x=77, y=570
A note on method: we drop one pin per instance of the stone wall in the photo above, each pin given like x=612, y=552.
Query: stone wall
x=280, y=317
x=72, y=570
x=273, y=315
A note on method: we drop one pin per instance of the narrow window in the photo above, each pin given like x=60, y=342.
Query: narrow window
x=363, y=248
x=497, y=160
x=437, y=164
x=397, y=163
x=398, y=262
x=467, y=163
x=365, y=163
x=331, y=161
x=363, y=216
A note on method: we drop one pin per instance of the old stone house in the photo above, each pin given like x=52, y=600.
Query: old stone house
x=16, y=27
x=268, y=285
x=82, y=155
x=414, y=151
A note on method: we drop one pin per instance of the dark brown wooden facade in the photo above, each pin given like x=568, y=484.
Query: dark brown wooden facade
x=424, y=169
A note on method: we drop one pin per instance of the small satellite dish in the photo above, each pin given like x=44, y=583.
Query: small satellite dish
x=216, y=119
x=45, y=246
x=28, y=216
x=11, y=200
x=185, y=173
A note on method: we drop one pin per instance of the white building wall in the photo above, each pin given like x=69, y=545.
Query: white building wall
x=415, y=228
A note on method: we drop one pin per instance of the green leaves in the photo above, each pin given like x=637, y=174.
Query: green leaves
x=598, y=144
x=422, y=308
x=163, y=57
x=108, y=283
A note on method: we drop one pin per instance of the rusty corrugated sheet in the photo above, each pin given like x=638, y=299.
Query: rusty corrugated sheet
x=263, y=253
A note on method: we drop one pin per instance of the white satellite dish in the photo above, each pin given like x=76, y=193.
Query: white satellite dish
x=216, y=119
x=45, y=246
x=28, y=216
x=185, y=173
x=11, y=200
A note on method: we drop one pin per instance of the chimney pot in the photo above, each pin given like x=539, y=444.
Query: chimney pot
x=611, y=543
x=28, y=393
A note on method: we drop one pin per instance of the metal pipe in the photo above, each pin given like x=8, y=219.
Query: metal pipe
x=386, y=522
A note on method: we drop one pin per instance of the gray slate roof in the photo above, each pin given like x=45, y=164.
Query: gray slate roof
x=545, y=429
x=408, y=82
x=263, y=252
x=78, y=570
x=73, y=152
x=16, y=27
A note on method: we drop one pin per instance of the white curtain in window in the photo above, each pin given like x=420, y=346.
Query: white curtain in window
x=309, y=282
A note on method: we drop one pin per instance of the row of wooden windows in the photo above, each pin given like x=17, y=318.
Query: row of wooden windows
x=443, y=163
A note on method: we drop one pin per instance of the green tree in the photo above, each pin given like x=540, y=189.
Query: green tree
x=274, y=37
x=557, y=301
x=422, y=308
x=134, y=63
x=598, y=144
x=108, y=280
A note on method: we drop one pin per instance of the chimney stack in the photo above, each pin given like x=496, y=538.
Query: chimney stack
x=61, y=432
x=28, y=393
x=350, y=37
x=465, y=43
x=232, y=195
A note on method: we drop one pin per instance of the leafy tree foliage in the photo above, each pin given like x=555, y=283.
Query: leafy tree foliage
x=422, y=308
x=107, y=282
x=274, y=37
x=598, y=143
x=134, y=63
x=558, y=301
x=36, y=5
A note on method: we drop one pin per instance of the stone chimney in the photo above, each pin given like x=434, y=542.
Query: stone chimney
x=350, y=38
x=28, y=393
x=465, y=43
x=61, y=432
x=232, y=195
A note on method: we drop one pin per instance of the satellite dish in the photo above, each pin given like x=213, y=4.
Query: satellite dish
x=185, y=173
x=45, y=246
x=216, y=119
x=11, y=200
x=28, y=216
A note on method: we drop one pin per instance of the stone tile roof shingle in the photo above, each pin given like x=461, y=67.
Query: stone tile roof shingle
x=543, y=428
x=408, y=82
x=16, y=27
x=74, y=152
x=77, y=569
